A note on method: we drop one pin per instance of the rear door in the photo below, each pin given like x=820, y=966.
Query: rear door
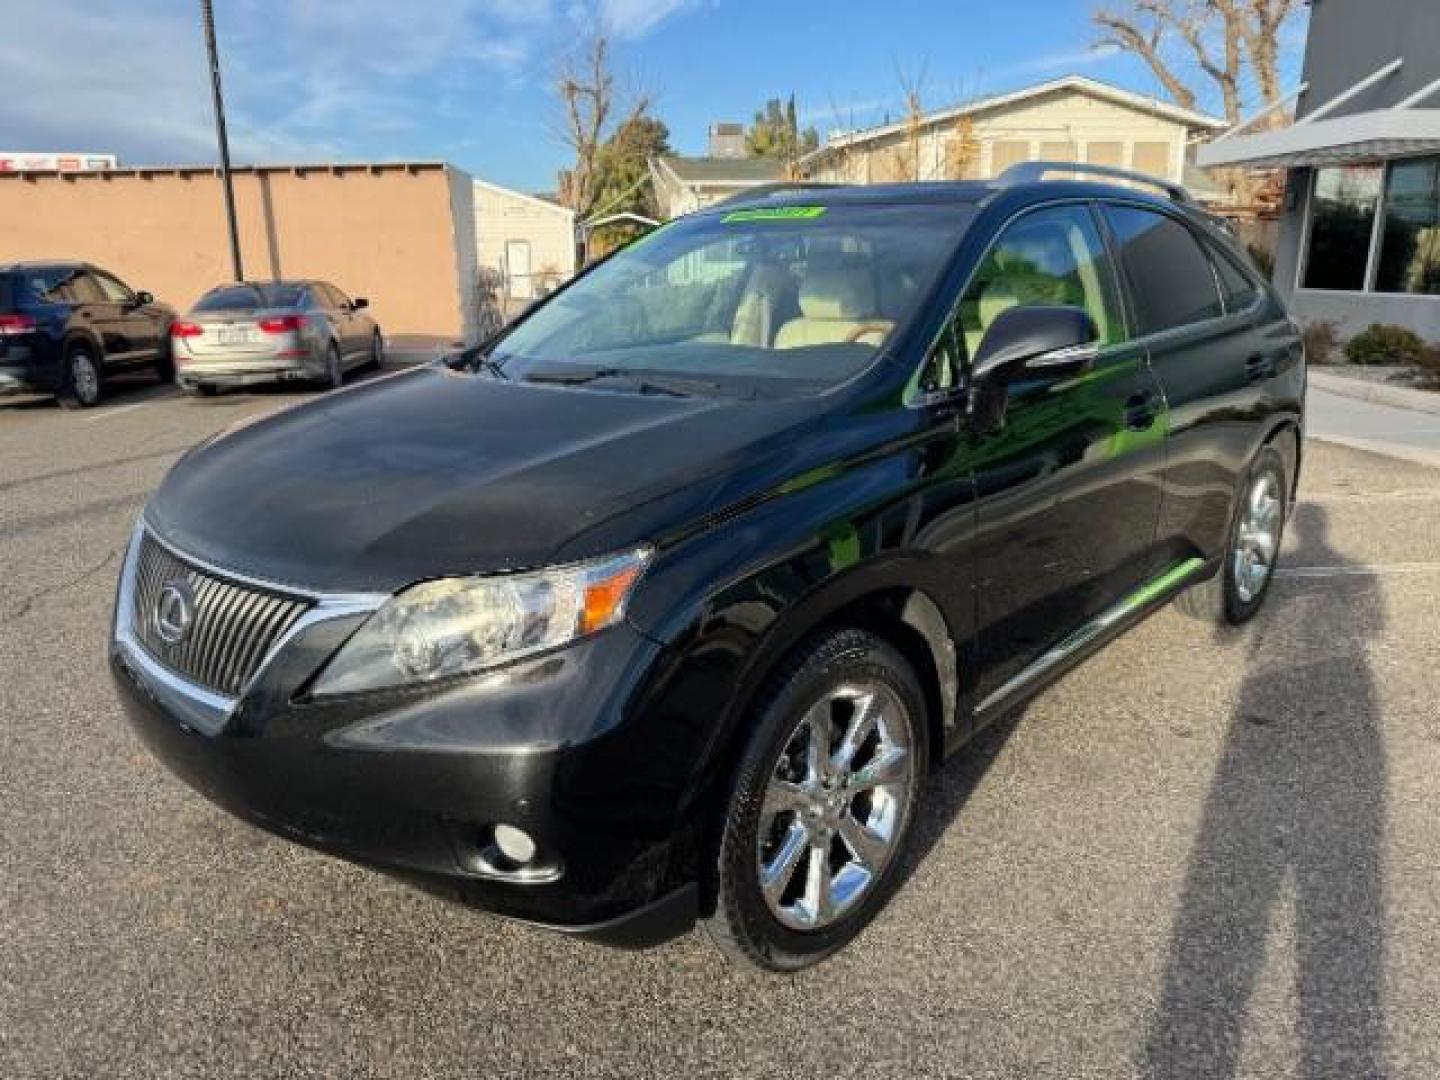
x=1069, y=489
x=1211, y=363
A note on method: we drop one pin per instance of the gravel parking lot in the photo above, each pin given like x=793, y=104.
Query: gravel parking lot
x=1202, y=854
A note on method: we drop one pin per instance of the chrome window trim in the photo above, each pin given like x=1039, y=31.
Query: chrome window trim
x=194, y=705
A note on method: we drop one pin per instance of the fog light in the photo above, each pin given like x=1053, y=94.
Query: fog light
x=515, y=844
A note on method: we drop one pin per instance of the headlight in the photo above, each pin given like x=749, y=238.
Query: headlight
x=454, y=626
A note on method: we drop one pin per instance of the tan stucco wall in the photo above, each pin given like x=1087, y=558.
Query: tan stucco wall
x=1067, y=117
x=387, y=234
x=501, y=216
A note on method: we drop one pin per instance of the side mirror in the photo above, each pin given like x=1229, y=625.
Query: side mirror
x=142, y=298
x=1044, y=342
x=358, y=303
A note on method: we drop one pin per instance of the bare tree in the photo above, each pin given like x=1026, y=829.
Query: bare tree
x=591, y=99
x=1220, y=37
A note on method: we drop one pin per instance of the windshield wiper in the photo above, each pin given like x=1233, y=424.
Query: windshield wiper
x=645, y=382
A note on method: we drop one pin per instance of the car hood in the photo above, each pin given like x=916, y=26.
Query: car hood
x=434, y=472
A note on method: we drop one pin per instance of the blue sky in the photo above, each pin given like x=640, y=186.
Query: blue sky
x=469, y=81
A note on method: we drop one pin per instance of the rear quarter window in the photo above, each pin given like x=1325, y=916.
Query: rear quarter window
x=1170, y=276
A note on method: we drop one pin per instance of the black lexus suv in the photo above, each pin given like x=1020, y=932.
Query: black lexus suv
x=66, y=326
x=658, y=607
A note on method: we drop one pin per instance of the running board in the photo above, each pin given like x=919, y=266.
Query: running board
x=1096, y=628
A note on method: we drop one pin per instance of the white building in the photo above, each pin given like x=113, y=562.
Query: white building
x=525, y=245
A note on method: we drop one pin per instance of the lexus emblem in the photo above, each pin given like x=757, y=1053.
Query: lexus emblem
x=174, y=612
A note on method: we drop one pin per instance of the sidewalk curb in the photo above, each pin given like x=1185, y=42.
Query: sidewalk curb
x=1398, y=397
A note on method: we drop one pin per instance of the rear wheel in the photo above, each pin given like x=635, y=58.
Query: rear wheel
x=165, y=363
x=1238, y=591
x=334, y=373
x=82, y=384
x=822, y=805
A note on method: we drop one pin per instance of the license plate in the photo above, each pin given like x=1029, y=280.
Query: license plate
x=232, y=337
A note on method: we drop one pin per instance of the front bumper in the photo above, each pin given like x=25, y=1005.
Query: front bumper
x=412, y=782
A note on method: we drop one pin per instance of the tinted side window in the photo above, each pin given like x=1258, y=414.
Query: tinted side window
x=1170, y=277
x=1050, y=257
x=1236, y=285
x=86, y=290
x=113, y=289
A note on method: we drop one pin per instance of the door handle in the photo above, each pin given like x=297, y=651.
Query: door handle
x=1140, y=411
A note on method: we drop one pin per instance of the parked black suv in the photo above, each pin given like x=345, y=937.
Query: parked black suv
x=66, y=326
x=661, y=606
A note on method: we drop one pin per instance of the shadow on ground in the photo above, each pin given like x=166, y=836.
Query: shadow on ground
x=1295, y=810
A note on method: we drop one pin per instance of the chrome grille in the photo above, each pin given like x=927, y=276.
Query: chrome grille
x=233, y=628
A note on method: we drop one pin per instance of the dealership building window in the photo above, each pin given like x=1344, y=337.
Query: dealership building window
x=1375, y=228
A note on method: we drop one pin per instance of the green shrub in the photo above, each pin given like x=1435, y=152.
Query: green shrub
x=1382, y=344
x=1322, y=338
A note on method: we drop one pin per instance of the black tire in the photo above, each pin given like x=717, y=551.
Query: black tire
x=83, y=383
x=377, y=353
x=165, y=362
x=1219, y=599
x=744, y=925
x=334, y=371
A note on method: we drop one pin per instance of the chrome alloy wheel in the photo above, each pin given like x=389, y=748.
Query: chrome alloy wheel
x=84, y=378
x=1258, y=538
x=833, y=809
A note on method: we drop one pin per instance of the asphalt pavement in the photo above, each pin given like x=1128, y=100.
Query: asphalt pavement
x=1203, y=853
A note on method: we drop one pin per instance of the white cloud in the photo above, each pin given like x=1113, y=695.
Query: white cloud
x=1068, y=60
x=303, y=78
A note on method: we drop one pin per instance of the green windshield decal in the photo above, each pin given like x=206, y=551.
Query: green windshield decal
x=774, y=213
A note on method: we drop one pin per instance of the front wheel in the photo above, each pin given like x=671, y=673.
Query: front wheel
x=1236, y=594
x=80, y=387
x=822, y=804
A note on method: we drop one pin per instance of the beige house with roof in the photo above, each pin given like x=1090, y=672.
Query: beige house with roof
x=686, y=184
x=1068, y=119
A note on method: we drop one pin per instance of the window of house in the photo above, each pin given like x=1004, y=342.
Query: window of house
x=1007, y=152
x=1152, y=158
x=1410, y=244
x=1342, y=221
x=1058, y=151
x=1170, y=277
x=1109, y=154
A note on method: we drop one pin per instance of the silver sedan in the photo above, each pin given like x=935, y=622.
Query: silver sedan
x=255, y=332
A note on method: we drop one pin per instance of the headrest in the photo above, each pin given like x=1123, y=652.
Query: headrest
x=996, y=298
x=837, y=294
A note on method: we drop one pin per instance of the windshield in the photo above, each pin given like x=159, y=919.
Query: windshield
x=249, y=297
x=785, y=298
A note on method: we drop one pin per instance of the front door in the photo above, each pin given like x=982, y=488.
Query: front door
x=1068, y=490
x=140, y=325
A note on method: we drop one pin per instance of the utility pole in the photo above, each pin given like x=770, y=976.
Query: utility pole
x=207, y=18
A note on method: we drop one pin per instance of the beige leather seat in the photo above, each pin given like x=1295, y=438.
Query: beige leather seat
x=836, y=305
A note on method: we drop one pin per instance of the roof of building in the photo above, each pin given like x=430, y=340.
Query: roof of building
x=297, y=168
x=541, y=201
x=1078, y=84
x=723, y=172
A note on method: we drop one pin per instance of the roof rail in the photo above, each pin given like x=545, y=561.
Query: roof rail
x=761, y=191
x=1033, y=172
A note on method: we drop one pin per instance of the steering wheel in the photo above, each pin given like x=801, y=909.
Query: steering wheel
x=866, y=328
